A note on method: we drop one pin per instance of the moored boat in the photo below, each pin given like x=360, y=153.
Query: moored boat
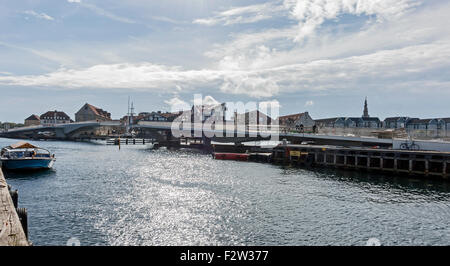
x=231, y=156
x=25, y=156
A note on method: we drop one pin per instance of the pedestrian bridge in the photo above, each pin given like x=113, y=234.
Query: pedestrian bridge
x=220, y=133
x=61, y=130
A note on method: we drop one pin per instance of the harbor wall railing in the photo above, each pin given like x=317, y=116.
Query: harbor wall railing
x=420, y=134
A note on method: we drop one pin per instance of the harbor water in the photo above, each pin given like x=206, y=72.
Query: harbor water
x=100, y=195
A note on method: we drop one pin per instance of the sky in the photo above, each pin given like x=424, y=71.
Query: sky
x=320, y=56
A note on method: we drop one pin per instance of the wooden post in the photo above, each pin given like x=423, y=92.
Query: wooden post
x=395, y=163
x=427, y=165
x=444, y=169
x=381, y=162
x=285, y=155
x=410, y=165
x=334, y=159
x=345, y=160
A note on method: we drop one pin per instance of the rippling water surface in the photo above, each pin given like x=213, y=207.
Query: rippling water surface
x=137, y=196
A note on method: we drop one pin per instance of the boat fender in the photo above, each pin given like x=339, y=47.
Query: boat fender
x=23, y=217
x=15, y=197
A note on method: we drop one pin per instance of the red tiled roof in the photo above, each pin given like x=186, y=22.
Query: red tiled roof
x=169, y=115
x=33, y=117
x=98, y=111
x=55, y=113
x=294, y=116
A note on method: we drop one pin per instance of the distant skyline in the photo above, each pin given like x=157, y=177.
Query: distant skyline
x=320, y=56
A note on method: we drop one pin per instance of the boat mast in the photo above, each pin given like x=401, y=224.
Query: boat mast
x=131, y=117
x=130, y=114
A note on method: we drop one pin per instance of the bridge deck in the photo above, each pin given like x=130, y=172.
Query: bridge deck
x=222, y=132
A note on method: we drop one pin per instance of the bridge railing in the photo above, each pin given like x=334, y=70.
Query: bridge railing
x=23, y=128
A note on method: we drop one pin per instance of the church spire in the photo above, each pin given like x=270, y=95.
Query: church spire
x=366, y=110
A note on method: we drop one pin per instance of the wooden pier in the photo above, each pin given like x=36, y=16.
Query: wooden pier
x=11, y=228
x=129, y=141
x=417, y=163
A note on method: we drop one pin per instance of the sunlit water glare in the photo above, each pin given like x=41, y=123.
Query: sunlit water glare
x=137, y=196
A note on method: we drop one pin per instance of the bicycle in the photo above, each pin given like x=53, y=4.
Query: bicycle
x=409, y=145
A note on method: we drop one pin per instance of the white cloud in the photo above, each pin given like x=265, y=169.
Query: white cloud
x=176, y=104
x=243, y=15
x=103, y=12
x=254, y=84
x=209, y=100
x=313, y=13
x=276, y=47
x=280, y=46
x=247, y=41
x=310, y=14
x=38, y=15
x=264, y=105
x=410, y=53
x=387, y=69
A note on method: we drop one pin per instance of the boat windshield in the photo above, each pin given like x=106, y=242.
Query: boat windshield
x=26, y=153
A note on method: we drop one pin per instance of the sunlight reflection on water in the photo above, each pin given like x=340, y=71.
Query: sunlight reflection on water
x=136, y=196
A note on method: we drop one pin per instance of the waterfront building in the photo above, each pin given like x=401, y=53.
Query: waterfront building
x=365, y=121
x=91, y=113
x=32, y=120
x=171, y=116
x=130, y=119
x=446, y=122
x=205, y=112
x=255, y=117
x=331, y=122
x=158, y=116
x=300, y=121
x=397, y=122
x=7, y=125
x=154, y=117
x=52, y=118
x=353, y=122
x=371, y=122
x=426, y=124
x=350, y=122
x=143, y=114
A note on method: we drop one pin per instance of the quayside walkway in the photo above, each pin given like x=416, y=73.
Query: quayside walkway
x=11, y=230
